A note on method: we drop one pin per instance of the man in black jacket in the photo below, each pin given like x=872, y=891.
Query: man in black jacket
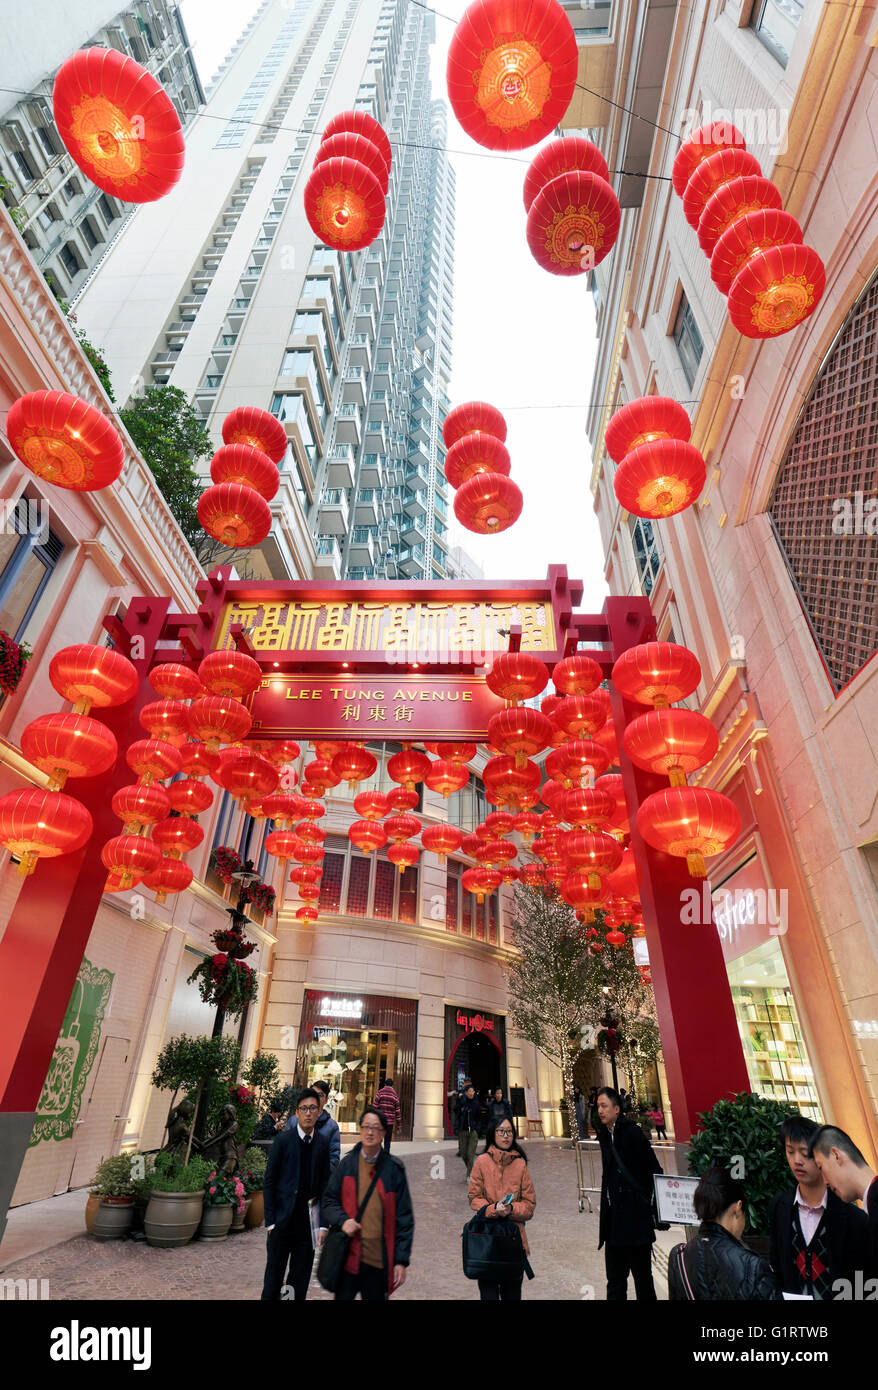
x=626, y=1230
x=295, y=1176
x=846, y=1172
x=816, y=1239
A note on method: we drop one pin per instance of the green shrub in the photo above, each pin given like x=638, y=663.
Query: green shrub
x=256, y=1160
x=113, y=1177
x=743, y=1134
x=170, y=1175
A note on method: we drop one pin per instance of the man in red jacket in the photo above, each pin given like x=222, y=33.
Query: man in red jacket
x=387, y=1103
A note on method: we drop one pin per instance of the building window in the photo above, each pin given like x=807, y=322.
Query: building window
x=647, y=554
x=688, y=339
x=88, y=235
x=464, y=914
x=27, y=562
x=72, y=189
x=69, y=258
x=45, y=138
x=360, y=885
x=21, y=163
x=468, y=807
x=775, y=23
x=291, y=408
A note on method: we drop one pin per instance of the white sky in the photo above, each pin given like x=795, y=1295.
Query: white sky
x=523, y=339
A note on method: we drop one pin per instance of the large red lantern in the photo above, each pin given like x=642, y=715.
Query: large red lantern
x=494, y=853
x=320, y=773
x=708, y=140
x=505, y=780
x=594, y=852
x=129, y=857
x=247, y=424
x=305, y=873
x=403, y=855
x=283, y=845
x=171, y=876
x=189, y=797
x=371, y=805
x=139, y=806
x=247, y=776
x=347, y=145
x=481, y=881
x=217, y=719
x=401, y=827
x=230, y=673
x=471, y=844
x=441, y=839
x=656, y=673
x=239, y=463
x=359, y=123
x=152, y=760
x=89, y=675
x=281, y=807
x=38, y=825
x=168, y=719
x=577, y=674
x=65, y=441
x=280, y=751
x=196, y=760
x=527, y=823
x=307, y=854
x=710, y=175
x=776, y=290
x=178, y=835
x=579, y=714
x=476, y=453
x=573, y=223
x=755, y=232
x=172, y=681
x=367, y=835
x=643, y=420
x=517, y=676
x=579, y=758
x=471, y=417
x=499, y=824
x=453, y=752
x=353, y=765
x=400, y=799
x=234, y=514
x=307, y=913
x=118, y=125
x=579, y=892
x=731, y=201
x=660, y=479
x=521, y=732
x=408, y=768
x=671, y=742
x=310, y=832
x=690, y=823
x=512, y=68
x=446, y=777
x=562, y=156
x=68, y=745
x=488, y=503
x=344, y=204
x=583, y=806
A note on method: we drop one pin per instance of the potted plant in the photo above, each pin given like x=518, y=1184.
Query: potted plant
x=114, y=1188
x=13, y=658
x=253, y=1176
x=176, y=1200
x=222, y=1195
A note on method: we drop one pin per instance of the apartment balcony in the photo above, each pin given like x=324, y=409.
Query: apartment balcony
x=366, y=508
x=415, y=503
x=361, y=550
x=380, y=406
x=417, y=477
x=413, y=530
x=370, y=291
x=420, y=431
x=222, y=348
x=364, y=320
x=386, y=349
x=340, y=466
x=371, y=471
x=376, y=438
x=328, y=562
x=353, y=389
x=236, y=311
x=348, y=424
x=411, y=562
x=396, y=501
x=249, y=277
x=361, y=351
x=334, y=513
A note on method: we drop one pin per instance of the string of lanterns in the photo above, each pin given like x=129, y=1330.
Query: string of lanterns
x=345, y=194
x=477, y=465
x=659, y=472
x=573, y=215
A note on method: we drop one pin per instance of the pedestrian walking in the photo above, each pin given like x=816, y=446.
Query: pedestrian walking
x=715, y=1265
x=387, y=1103
x=581, y=1117
x=658, y=1119
x=381, y=1241
x=470, y=1120
x=327, y=1124
x=846, y=1172
x=500, y=1181
x=295, y=1177
x=498, y=1108
x=593, y=1116
x=626, y=1232
x=269, y=1124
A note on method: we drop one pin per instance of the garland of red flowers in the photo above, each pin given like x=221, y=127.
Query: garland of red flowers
x=228, y=983
x=13, y=658
x=263, y=897
x=227, y=861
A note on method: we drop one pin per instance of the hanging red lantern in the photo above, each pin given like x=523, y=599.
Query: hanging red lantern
x=488, y=503
x=708, y=140
x=504, y=779
x=710, y=175
x=311, y=792
x=573, y=223
x=152, y=760
x=562, y=156
x=615, y=938
x=360, y=123
x=282, y=808
x=309, y=832
x=470, y=418
x=661, y=479
x=609, y=741
x=576, y=715
x=189, y=797
x=471, y=844
x=509, y=873
x=594, y=852
x=577, y=674
x=353, y=765
x=171, y=876
x=734, y=200
x=118, y=125
x=89, y=675
x=517, y=676
x=246, y=424
x=493, y=853
x=656, y=673
x=549, y=704
x=453, y=752
x=403, y=855
x=307, y=913
x=755, y=232
x=401, y=800
x=521, y=732
x=644, y=420
x=367, y=835
x=613, y=784
x=622, y=881
x=38, y=825
x=172, y=681
x=552, y=794
x=129, y=857
x=344, y=204
x=305, y=873
x=401, y=827
x=283, y=845
x=671, y=742
x=280, y=752
x=690, y=823
x=307, y=854
x=480, y=881
x=579, y=758
x=217, y=719
x=587, y=806
x=139, y=806
x=579, y=892
x=178, y=835
x=320, y=773
x=239, y=463
x=247, y=776
x=196, y=760
x=408, y=768
x=441, y=839
x=167, y=719
x=68, y=745
x=230, y=673
x=512, y=68
x=371, y=805
x=776, y=290
x=347, y=145
x=499, y=824
x=309, y=892
x=446, y=777
x=527, y=823
x=235, y=515
x=473, y=454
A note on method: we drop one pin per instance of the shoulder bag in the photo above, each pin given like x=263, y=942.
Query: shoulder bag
x=493, y=1250
x=334, y=1250
x=650, y=1201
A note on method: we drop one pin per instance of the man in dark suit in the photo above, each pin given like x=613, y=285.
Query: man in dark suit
x=816, y=1238
x=846, y=1172
x=295, y=1176
x=626, y=1229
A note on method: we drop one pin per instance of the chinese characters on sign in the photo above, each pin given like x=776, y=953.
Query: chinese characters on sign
x=673, y=1198
x=416, y=706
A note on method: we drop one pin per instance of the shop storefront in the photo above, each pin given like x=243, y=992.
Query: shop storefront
x=752, y=921
x=475, y=1049
x=355, y=1042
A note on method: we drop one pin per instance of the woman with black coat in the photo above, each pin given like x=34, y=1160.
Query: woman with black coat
x=715, y=1265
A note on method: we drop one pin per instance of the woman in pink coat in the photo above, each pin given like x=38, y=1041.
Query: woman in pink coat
x=500, y=1172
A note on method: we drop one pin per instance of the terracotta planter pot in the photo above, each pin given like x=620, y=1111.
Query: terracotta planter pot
x=91, y=1211
x=172, y=1218
x=112, y=1219
x=255, y=1213
x=215, y=1222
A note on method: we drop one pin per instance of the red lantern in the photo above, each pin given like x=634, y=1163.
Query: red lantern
x=309, y=892
x=239, y=463
x=562, y=156
x=178, y=835
x=346, y=145
x=305, y=873
x=152, y=760
x=283, y=845
x=608, y=740
x=129, y=857
x=281, y=807
x=690, y=823
x=573, y=223
x=310, y=833
x=499, y=824
x=471, y=417
x=588, y=806
x=42, y=825
x=527, y=824
x=710, y=175
x=353, y=765
x=281, y=751
x=247, y=776
x=196, y=761
x=89, y=675
x=496, y=852
x=622, y=881
x=344, y=204
x=516, y=676
x=401, y=827
x=139, y=806
x=660, y=479
x=520, y=732
x=643, y=420
x=371, y=805
x=68, y=745
x=579, y=758
x=476, y=453
x=230, y=673
x=734, y=200
x=579, y=892
x=552, y=794
x=656, y=673
x=307, y=913
x=613, y=784
x=671, y=742
x=709, y=140
x=446, y=777
x=408, y=768
x=403, y=855
x=488, y=503
x=776, y=290
x=171, y=876
x=441, y=839
x=579, y=714
x=594, y=852
x=320, y=773
x=615, y=938
x=453, y=752
x=246, y=424
x=118, y=125
x=235, y=515
x=505, y=780
x=757, y=231
x=168, y=719
x=175, y=682
x=360, y=123
x=309, y=790
x=471, y=844
x=189, y=797
x=480, y=881
x=512, y=68
x=367, y=835
x=217, y=719
x=401, y=800
x=577, y=674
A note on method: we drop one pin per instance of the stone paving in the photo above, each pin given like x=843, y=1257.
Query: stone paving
x=563, y=1246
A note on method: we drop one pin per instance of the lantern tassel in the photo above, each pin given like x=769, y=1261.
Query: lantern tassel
x=695, y=863
x=677, y=776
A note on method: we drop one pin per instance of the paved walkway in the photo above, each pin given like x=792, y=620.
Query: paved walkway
x=563, y=1245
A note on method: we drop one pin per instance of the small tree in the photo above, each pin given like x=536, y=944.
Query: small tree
x=199, y=1067
x=172, y=439
x=262, y=1073
x=615, y=985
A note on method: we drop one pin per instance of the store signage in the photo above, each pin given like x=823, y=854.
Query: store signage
x=410, y=706
x=341, y=1008
x=673, y=1197
x=747, y=912
x=475, y=1023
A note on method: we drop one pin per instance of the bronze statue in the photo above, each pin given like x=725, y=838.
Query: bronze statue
x=178, y=1125
x=221, y=1148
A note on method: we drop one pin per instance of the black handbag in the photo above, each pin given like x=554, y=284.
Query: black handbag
x=493, y=1250
x=334, y=1250
x=635, y=1187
